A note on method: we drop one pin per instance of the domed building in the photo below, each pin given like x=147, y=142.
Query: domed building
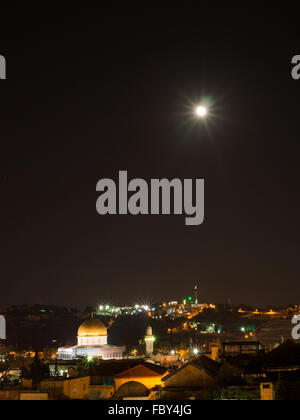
x=91, y=341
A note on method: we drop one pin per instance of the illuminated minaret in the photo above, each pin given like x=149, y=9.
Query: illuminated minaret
x=196, y=295
x=149, y=340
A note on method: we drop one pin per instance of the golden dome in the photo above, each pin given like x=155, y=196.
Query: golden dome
x=92, y=327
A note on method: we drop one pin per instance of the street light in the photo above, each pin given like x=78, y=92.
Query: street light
x=201, y=111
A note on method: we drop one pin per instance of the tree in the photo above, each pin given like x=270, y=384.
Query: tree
x=38, y=370
x=5, y=377
x=87, y=364
x=56, y=368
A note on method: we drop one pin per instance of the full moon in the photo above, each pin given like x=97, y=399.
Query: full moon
x=201, y=111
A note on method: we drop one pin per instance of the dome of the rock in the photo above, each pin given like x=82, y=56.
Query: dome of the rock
x=92, y=328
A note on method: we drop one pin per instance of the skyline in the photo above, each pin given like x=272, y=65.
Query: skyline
x=93, y=92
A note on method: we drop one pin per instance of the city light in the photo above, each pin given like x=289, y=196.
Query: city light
x=201, y=111
x=151, y=338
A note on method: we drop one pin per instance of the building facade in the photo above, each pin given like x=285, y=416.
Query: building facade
x=91, y=342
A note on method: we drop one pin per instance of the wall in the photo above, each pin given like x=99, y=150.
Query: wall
x=77, y=388
x=86, y=341
x=149, y=382
x=105, y=392
x=189, y=377
x=9, y=395
x=53, y=387
x=33, y=396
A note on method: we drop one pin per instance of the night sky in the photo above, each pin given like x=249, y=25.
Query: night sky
x=92, y=91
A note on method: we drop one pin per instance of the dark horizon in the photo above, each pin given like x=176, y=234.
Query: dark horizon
x=92, y=307
x=93, y=91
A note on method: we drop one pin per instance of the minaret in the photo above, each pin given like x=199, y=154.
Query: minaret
x=2, y=328
x=195, y=295
x=149, y=339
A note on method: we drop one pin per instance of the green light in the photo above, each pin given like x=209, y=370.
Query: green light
x=150, y=338
x=190, y=298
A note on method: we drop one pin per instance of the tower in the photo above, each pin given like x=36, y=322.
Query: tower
x=195, y=295
x=149, y=340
